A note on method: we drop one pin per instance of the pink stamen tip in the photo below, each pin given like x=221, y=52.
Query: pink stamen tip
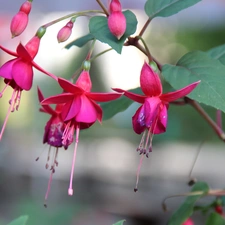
x=70, y=191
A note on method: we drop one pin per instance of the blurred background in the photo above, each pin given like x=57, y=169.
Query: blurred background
x=105, y=171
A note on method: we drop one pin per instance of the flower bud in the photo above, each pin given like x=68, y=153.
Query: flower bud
x=65, y=32
x=189, y=221
x=115, y=6
x=20, y=20
x=117, y=24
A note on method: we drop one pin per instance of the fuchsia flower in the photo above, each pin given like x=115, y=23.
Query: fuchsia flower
x=80, y=111
x=151, y=116
x=116, y=19
x=20, y=20
x=18, y=72
x=53, y=135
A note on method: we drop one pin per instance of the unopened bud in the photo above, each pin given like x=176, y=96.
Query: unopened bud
x=65, y=32
x=115, y=6
x=117, y=24
x=20, y=20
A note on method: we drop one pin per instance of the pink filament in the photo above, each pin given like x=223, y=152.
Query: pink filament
x=70, y=189
x=138, y=172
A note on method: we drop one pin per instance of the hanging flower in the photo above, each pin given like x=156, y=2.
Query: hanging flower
x=53, y=135
x=18, y=72
x=151, y=116
x=80, y=111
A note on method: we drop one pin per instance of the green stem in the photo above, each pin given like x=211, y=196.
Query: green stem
x=99, y=54
x=91, y=49
x=82, y=13
x=146, y=48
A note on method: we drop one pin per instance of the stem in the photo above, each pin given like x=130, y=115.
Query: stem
x=71, y=15
x=144, y=27
x=146, y=48
x=91, y=50
x=215, y=127
x=103, y=7
x=99, y=54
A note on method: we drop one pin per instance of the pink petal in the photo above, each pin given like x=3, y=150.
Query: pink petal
x=23, y=53
x=132, y=96
x=9, y=52
x=88, y=112
x=46, y=108
x=99, y=111
x=22, y=74
x=84, y=81
x=150, y=81
x=69, y=87
x=172, y=96
x=43, y=71
x=6, y=69
x=58, y=99
x=102, y=97
x=138, y=128
x=150, y=112
x=161, y=124
x=71, y=109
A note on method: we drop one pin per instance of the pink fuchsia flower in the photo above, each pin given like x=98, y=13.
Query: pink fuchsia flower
x=65, y=31
x=151, y=116
x=53, y=135
x=189, y=221
x=20, y=20
x=116, y=19
x=80, y=111
x=18, y=72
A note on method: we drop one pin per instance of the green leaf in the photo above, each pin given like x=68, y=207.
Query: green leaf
x=196, y=66
x=120, y=222
x=22, y=220
x=98, y=27
x=110, y=109
x=186, y=209
x=218, y=53
x=165, y=8
x=80, y=42
x=215, y=219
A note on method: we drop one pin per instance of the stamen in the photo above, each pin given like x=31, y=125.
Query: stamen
x=140, y=147
x=48, y=189
x=3, y=90
x=48, y=158
x=8, y=113
x=70, y=190
x=138, y=173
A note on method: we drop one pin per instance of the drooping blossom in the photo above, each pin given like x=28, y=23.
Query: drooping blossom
x=80, y=111
x=53, y=135
x=18, y=72
x=20, y=20
x=151, y=116
x=116, y=19
x=65, y=32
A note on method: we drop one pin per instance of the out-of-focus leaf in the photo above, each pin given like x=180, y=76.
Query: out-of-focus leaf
x=186, y=209
x=165, y=8
x=22, y=220
x=215, y=219
x=80, y=42
x=119, y=222
x=196, y=66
